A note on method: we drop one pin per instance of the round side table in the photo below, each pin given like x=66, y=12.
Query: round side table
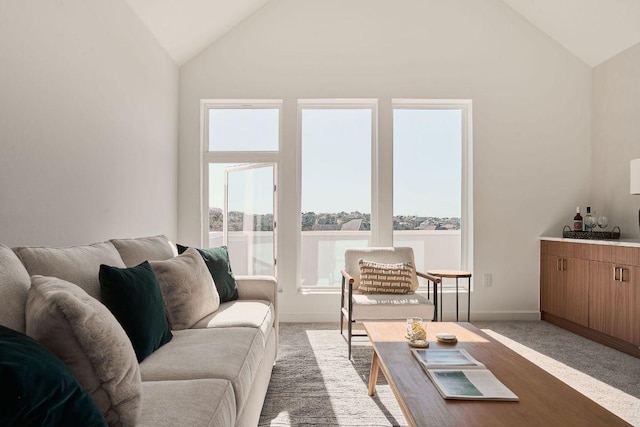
x=453, y=274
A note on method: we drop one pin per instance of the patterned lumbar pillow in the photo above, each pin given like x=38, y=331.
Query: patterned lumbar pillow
x=379, y=278
x=87, y=337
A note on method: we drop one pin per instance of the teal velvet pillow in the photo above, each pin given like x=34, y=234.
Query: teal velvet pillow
x=133, y=296
x=217, y=260
x=37, y=388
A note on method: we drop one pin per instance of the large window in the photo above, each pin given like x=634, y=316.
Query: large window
x=335, y=146
x=321, y=176
x=241, y=145
x=427, y=183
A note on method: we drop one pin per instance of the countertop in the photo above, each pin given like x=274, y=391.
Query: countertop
x=619, y=242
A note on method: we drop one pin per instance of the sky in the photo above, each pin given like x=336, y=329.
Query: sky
x=336, y=160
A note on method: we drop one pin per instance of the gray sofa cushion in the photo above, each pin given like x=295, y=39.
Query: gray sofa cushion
x=14, y=285
x=90, y=341
x=233, y=354
x=79, y=265
x=135, y=251
x=195, y=403
x=187, y=288
x=241, y=313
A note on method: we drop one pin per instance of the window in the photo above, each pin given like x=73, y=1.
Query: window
x=430, y=211
x=335, y=164
x=241, y=145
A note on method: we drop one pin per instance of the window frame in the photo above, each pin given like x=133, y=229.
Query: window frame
x=208, y=157
x=332, y=104
x=466, y=214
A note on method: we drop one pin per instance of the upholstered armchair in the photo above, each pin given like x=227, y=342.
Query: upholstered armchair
x=387, y=289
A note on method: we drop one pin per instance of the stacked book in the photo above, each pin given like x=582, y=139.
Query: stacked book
x=457, y=375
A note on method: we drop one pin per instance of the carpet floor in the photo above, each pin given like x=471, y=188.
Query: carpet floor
x=313, y=383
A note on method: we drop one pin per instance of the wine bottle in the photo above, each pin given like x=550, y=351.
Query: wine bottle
x=577, y=220
x=589, y=220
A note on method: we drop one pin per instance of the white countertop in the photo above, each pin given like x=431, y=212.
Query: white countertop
x=620, y=242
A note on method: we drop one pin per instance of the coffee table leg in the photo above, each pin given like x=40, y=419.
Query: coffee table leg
x=373, y=374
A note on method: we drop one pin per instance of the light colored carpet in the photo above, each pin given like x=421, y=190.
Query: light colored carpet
x=313, y=383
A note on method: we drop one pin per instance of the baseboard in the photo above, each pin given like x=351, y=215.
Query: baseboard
x=447, y=316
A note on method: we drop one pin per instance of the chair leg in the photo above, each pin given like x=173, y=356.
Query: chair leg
x=349, y=328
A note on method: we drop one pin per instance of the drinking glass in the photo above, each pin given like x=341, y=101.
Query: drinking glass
x=412, y=322
x=603, y=221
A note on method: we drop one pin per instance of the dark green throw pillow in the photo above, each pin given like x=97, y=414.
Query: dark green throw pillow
x=217, y=260
x=37, y=388
x=133, y=296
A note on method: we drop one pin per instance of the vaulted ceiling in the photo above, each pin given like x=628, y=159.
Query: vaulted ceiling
x=593, y=30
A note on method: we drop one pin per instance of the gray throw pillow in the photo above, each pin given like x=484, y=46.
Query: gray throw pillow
x=90, y=341
x=187, y=288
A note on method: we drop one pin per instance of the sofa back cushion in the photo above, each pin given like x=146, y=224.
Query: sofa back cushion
x=14, y=286
x=79, y=265
x=136, y=251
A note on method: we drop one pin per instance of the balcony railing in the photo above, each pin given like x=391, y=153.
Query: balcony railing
x=251, y=253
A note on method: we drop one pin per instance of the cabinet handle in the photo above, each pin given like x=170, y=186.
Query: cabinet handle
x=622, y=270
x=564, y=264
x=616, y=277
x=559, y=264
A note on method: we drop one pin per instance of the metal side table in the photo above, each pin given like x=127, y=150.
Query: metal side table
x=454, y=274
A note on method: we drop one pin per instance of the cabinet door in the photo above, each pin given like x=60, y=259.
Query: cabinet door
x=576, y=291
x=551, y=285
x=634, y=306
x=610, y=300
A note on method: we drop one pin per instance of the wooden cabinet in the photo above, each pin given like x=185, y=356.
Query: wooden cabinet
x=593, y=289
x=564, y=285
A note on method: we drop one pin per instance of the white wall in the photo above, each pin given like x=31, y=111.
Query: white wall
x=531, y=112
x=616, y=138
x=88, y=124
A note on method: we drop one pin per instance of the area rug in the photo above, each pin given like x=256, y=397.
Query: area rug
x=314, y=384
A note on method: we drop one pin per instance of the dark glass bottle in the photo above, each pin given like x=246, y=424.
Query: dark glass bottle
x=577, y=220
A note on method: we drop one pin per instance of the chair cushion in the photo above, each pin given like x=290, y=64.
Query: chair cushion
x=390, y=307
x=76, y=264
x=380, y=278
x=193, y=403
x=133, y=296
x=217, y=260
x=241, y=313
x=135, y=251
x=90, y=341
x=37, y=388
x=386, y=255
x=187, y=288
x=233, y=354
x=14, y=286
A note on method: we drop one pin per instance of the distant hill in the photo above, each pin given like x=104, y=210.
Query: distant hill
x=331, y=221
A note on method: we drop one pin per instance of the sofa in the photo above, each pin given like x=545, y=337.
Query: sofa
x=213, y=373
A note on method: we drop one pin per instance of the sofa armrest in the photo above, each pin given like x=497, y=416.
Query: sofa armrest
x=258, y=288
x=263, y=288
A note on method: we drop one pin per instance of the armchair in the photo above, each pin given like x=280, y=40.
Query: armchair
x=356, y=306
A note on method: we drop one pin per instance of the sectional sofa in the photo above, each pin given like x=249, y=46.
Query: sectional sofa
x=214, y=373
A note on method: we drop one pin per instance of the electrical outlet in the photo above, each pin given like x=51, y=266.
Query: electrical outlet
x=487, y=280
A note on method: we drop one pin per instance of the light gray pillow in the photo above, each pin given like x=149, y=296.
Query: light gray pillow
x=90, y=341
x=136, y=251
x=14, y=285
x=187, y=288
x=79, y=265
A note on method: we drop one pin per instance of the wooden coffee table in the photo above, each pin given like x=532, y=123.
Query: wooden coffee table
x=544, y=399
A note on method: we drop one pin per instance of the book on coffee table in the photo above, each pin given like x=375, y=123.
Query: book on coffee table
x=457, y=375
